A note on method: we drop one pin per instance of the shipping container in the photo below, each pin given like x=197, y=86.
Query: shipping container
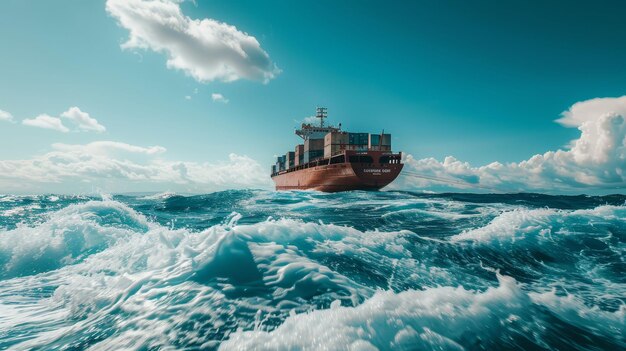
x=299, y=155
x=357, y=138
x=375, y=141
x=273, y=169
x=332, y=149
x=313, y=145
x=281, y=163
x=336, y=138
x=335, y=142
x=291, y=159
x=313, y=155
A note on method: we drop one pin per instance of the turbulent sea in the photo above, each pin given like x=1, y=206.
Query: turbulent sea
x=248, y=269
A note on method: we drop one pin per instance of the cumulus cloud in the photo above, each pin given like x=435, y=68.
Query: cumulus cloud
x=79, y=119
x=205, y=49
x=47, y=122
x=5, y=116
x=217, y=97
x=121, y=167
x=82, y=120
x=596, y=160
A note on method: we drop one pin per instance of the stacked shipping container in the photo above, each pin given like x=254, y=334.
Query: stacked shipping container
x=299, y=155
x=291, y=159
x=333, y=143
x=336, y=142
x=280, y=163
x=313, y=149
x=379, y=142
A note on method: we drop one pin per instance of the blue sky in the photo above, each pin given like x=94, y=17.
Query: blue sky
x=481, y=81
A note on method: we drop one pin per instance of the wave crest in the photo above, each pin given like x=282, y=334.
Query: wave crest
x=66, y=237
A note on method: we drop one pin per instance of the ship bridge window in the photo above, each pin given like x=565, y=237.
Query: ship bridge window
x=361, y=159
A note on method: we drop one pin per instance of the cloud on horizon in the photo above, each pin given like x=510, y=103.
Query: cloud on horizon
x=596, y=160
x=205, y=49
x=81, y=121
x=120, y=167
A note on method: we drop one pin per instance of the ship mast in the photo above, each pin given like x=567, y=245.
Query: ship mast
x=321, y=113
x=310, y=131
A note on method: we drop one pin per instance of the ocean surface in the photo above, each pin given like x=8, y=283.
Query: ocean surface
x=248, y=269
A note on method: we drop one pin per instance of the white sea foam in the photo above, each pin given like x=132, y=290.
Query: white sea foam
x=512, y=225
x=160, y=196
x=437, y=318
x=66, y=237
x=522, y=222
x=442, y=318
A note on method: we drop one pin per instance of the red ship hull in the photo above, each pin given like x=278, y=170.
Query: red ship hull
x=330, y=176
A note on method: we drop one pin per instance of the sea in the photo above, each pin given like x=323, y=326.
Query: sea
x=263, y=270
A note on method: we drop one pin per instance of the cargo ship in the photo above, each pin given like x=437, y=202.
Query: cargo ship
x=333, y=160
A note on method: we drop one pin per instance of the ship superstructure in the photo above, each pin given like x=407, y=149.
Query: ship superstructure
x=330, y=159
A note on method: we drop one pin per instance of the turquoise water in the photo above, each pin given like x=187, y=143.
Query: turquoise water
x=303, y=270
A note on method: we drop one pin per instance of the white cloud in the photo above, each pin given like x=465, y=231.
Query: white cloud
x=82, y=120
x=5, y=116
x=187, y=97
x=109, y=148
x=47, y=122
x=120, y=167
x=311, y=120
x=596, y=160
x=219, y=98
x=205, y=49
x=589, y=110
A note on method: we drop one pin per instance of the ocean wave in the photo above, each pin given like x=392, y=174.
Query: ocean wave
x=522, y=222
x=121, y=259
x=276, y=271
x=160, y=196
x=443, y=318
x=66, y=237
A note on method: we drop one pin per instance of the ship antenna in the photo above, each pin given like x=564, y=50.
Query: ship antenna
x=322, y=112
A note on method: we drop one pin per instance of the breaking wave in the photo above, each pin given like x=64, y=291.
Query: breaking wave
x=300, y=270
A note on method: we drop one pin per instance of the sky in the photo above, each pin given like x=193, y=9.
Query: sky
x=198, y=96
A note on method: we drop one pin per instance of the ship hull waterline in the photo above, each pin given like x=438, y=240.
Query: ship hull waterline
x=338, y=177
